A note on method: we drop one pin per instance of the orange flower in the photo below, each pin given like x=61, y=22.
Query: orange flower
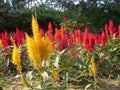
x=94, y=68
x=16, y=58
x=54, y=73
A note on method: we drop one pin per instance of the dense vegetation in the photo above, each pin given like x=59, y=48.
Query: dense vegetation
x=60, y=60
x=92, y=13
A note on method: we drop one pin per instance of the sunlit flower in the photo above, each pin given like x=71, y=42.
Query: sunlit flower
x=50, y=27
x=112, y=29
x=86, y=39
x=42, y=33
x=39, y=48
x=97, y=38
x=91, y=42
x=63, y=44
x=54, y=73
x=16, y=58
x=35, y=28
x=79, y=36
x=18, y=37
x=5, y=40
x=103, y=38
x=33, y=52
x=57, y=35
x=94, y=68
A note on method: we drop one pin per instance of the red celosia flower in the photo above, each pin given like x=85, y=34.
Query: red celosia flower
x=63, y=44
x=5, y=40
x=50, y=32
x=50, y=27
x=18, y=37
x=86, y=39
x=57, y=35
x=119, y=31
x=62, y=33
x=97, y=38
x=42, y=33
x=91, y=42
x=72, y=40
x=106, y=29
x=64, y=40
x=103, y=38
x=111, y=28
x=79, y=36
x=50, y=36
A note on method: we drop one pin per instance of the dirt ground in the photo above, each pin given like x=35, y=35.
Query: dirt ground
x=11, y=82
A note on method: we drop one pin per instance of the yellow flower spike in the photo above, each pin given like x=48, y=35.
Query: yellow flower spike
x=16, y=58
x=54, y=73
x=35, y=28
x=39, y=49
x=33, y=52
x=1, y=43
x=46, y=48
x=94, y=68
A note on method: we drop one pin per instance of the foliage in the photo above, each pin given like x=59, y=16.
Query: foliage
x=56, y=60
x=84, y=13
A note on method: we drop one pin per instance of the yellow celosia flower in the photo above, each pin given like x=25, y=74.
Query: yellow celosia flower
x=39, y=49
x=16, y=58
x=1, y=44
x=35, y=28
x=54, y=73
x=33, y=52
x=46, y=48
x=94, y=68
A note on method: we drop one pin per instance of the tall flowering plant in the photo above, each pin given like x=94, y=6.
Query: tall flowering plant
x=39, y=49
x=18, y=37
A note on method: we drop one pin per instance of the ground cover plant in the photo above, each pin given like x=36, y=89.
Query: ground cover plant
x=47, y=60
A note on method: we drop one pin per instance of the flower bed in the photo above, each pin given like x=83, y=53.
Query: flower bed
x=57, y=60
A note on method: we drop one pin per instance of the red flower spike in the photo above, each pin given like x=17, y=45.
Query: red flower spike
x=57, y=35
x=111, y=28
x=50, y=36
x=106, y=29
x=5, y=40
x=91, y=42
x=119, y=31
x=62, y=33
x=50, y=27
x=72, y=38
x=18, y=37
x=86, y=39
x=97, y=38
x=42, y=33
x=76, y=33
x=63, y=45
x=103, y=38
x=79, y=36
